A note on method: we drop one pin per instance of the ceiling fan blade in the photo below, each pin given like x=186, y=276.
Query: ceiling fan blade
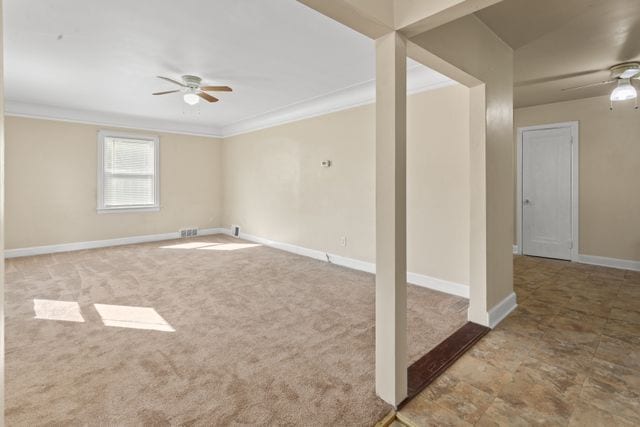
x=216, y=88
x=172, y=81
x=165, y=92
x=590, y=85
x=207, y=97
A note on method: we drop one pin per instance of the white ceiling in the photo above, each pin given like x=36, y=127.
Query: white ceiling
x=96, y=60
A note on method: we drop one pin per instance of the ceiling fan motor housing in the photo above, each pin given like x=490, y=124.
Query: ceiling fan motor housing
x=627, y=70
x=192, y=81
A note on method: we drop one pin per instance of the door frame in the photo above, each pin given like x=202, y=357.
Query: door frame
x=575, y=175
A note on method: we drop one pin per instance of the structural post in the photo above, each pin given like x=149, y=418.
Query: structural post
x=391, y=218
x=478, y=206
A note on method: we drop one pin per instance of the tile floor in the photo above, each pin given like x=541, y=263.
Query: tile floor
x=569, y=355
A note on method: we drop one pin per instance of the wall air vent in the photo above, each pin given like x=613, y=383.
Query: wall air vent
x=188, y=232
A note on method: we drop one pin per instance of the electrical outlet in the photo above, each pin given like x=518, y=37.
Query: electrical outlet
x=343, y=241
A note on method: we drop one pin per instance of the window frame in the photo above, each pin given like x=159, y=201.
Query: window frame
x=101, y=208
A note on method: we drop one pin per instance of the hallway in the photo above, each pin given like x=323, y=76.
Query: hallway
x=569, y=355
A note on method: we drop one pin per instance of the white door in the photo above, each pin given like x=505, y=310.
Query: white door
x=546, y=193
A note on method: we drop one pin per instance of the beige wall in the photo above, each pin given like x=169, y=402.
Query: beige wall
x=275, y=187
x=471, y=47
x=51, y=185
x=609, y=172
x=438, y=184
x=273, y=184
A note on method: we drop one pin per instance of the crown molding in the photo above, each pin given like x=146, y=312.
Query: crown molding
x=98, y=118
x=419, y=79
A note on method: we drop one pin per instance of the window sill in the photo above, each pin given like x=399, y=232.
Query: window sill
x=128, y=209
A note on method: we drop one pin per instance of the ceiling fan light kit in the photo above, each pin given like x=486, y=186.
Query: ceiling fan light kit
x=624, y=91
x=191, y=98
x=623, y=74
x=192, y=89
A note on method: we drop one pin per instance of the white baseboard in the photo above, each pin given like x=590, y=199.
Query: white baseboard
x=413, y=278
x=445, y=286
x=354, y=264
x=624, y=264
x=502, y=310
x=369, y=267
x=299, y=250
x=94, y=244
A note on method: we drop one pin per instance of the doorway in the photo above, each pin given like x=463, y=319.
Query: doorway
x=547, y=191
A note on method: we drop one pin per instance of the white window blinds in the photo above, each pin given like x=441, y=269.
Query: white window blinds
x=129, y=173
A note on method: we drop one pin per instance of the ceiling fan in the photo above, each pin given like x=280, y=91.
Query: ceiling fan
x=192, y=89
x=623, y=74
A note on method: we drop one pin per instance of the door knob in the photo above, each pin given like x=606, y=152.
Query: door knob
x=527, y=201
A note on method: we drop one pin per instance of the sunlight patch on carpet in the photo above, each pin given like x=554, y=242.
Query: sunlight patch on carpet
x=230, y=246
x=125, y=316
x=210, y=246
x=68, y=311
x=189, y=245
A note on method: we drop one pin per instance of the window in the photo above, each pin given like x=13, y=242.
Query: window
x=127, y=172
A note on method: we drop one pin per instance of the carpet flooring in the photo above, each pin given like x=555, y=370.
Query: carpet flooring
x=204, y=331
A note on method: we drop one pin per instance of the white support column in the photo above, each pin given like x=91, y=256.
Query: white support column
x=478, y=206
x=2, y=376
x=391, y=222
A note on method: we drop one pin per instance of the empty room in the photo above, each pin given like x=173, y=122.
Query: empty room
x=321, y=213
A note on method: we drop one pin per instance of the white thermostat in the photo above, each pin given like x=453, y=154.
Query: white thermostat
x=326, y=163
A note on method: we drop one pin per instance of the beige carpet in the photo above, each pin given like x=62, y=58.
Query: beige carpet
x=206, y=331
